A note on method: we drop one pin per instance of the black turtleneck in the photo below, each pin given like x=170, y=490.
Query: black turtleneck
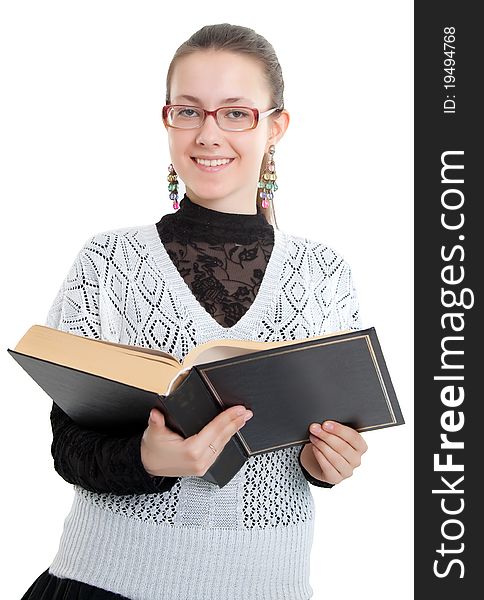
x=221, y=256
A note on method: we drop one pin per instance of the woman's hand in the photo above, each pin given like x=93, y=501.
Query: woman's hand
x=165, y=453
x=334, y=451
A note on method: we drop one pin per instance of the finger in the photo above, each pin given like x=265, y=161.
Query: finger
x=231, y=421
x=219, y=431
x=329, y=473
x=340, y=446
x=346, y=433
x=338, y=462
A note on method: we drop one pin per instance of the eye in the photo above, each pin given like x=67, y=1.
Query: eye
x=184, y=112
x=238, y=113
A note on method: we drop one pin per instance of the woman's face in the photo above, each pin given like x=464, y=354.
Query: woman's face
x=212, y=76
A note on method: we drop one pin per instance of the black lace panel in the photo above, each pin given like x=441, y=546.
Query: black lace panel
x=221, y=256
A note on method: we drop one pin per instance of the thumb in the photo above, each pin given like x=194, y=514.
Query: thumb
x=157, y=419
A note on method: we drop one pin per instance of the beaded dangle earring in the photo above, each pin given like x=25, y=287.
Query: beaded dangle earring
x=267, y=183
x=173, y=186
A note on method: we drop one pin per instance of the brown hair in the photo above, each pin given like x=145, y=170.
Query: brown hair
x=235, y=38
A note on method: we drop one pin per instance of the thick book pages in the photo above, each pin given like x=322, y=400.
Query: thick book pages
x=133, y=365
x=288, y=385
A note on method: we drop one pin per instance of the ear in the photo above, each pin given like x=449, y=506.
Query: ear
x=278, y=127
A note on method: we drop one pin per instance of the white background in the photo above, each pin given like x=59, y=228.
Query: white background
x=84, y=150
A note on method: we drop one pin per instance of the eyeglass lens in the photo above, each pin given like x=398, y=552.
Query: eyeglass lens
x=229, y=118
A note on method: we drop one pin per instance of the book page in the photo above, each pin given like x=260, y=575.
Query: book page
x=118, y=362
x=221, y=349
x=159, y=353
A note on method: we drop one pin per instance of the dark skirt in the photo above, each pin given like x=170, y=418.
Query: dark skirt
x=49, y=587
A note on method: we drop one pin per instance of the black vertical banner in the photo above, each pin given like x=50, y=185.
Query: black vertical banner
x=449, y=268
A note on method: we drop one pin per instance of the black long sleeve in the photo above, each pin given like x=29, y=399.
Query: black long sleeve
x=99, y=462
x=310, y=478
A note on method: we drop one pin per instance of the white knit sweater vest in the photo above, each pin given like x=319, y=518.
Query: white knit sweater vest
x=251, y=539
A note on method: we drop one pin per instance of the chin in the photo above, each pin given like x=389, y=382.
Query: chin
x=205, y=194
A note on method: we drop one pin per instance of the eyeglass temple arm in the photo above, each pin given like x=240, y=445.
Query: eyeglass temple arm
x=268, y=112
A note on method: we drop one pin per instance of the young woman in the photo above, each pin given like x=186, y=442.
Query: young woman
x=144, y=524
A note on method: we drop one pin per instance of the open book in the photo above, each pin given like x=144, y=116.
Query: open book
x=287, y=385
x=134, y=365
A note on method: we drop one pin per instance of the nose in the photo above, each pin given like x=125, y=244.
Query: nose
x=209, y=132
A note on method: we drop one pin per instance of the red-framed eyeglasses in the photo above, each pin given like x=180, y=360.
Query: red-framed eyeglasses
x=182, y=116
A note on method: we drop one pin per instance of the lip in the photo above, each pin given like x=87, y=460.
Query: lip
x=212, y=169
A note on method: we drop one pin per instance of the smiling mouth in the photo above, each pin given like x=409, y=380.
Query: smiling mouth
x=212, y=169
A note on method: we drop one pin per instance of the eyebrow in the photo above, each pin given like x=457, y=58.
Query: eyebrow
x=226, y=101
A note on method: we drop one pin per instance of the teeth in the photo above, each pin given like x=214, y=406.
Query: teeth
x=213, y=163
